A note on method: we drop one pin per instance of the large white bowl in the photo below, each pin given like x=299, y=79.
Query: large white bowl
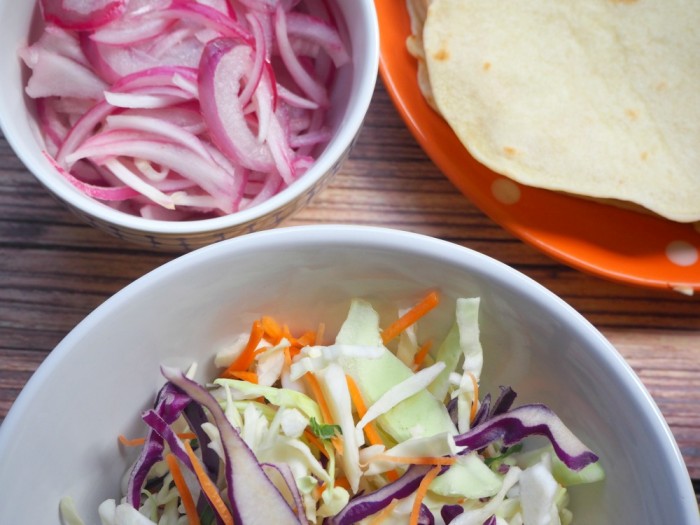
x=60, y=436
x=350, y=97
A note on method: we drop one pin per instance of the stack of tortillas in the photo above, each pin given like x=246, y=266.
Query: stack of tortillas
x=599, y=98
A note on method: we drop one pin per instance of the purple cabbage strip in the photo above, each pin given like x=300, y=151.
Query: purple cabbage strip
x=491, y=520
x=195, y=416
x=158, y=424
x=169, y=405
x=246, y=482
x=285, y=471
x=482, y=414
x=450, y=512
x=452, y=411
x=504, y=402
x=363, y=506
x=526, y=420
x=425, y=517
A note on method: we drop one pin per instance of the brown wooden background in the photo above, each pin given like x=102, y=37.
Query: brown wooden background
x=54, y=270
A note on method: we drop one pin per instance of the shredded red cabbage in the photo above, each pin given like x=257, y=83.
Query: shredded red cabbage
x=527, y=420
x=365, y=505
x=246, y=481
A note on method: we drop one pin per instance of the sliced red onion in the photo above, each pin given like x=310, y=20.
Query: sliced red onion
x=208, y=17
x=223, y=67
x=54, y=74
x=247, y=483
x=320, y=33
x=365, y=505
x=261, y=55
x=304, y=80
x=159, y=127
x=130, y=30
x=214, y=180
x=527, y=420
x=82, y=15
x=111, y=193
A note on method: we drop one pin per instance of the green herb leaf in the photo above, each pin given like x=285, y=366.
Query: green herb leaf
x=324, y=431
x=508, y=452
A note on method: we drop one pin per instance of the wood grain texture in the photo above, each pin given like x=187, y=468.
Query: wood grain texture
x=54, y=270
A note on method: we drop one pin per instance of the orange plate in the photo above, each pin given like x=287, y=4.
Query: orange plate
x=606, y=241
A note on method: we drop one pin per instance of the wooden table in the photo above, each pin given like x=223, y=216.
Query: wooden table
x=54, y=270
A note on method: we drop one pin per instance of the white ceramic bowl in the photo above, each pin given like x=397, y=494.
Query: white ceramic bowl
x=60, y=436
x=350, y=98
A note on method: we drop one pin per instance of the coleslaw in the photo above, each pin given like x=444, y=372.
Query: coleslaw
x=372, y=428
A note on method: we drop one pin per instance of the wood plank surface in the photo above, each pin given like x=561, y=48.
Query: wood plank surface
x=54, y=270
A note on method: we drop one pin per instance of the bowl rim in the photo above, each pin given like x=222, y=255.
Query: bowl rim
x=388, y=239
x=367, y=69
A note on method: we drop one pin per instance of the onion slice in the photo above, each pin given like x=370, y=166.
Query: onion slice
x=82, y=15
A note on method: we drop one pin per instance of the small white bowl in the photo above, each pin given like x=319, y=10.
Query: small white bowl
x=59, y=438
x=350, y=98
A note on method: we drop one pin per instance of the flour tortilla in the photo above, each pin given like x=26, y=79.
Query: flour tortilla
x=598, y=98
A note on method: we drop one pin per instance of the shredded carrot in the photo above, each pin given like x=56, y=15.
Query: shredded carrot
x=251, y=377
x=415, y=461
x=287, y=358
x=244, y=360
x=384, y=513
x=318, y=490
x=342, y=482
x=320, y=332
x=420, y=494
x=422, y=353
x=273, y=331
x=137, y=442
x=209, y=488
x=323, y=405
x=370, y=430
x=306, y=339
x=318, y=394
x=314, y=440
x=429, y=302
x=183, y=490
x=392, y=475
x=475, y=402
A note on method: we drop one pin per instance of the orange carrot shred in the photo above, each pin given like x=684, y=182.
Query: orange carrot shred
x=185, y=494
x=136, y=442
x=370, y=430
x=342, y=482
x=318, y=394
x=306, y=339
x=384, y=513
x=209, y=488
x=320, y=332
x=443, y=461
x=251, y=377
x=273, y=331
x=243, y=361
x=392, y=475
x=422, y=353
x=420, y=494
x=429, y=302
x=314, y=440
x=475, y=383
